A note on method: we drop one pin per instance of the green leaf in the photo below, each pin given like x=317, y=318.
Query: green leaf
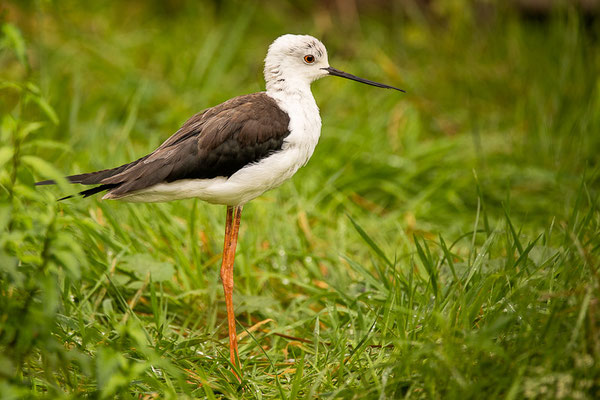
x=370, y=242
x=514, y=233
x=8, y=127
x=30, y=127
x=427, y=260
x=14, y=40
x=45, y=107
x=10, y=85
x=6, y=154
x=297, y=381
x=42, y=167
x=142, y=264
x=46, y=144
x=69, y=261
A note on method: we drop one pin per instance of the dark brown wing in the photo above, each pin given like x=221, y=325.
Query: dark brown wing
x=217, y=142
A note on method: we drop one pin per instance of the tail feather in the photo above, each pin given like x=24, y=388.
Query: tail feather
x=92, y=191
x=90, y=178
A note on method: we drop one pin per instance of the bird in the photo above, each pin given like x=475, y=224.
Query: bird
x=233, y=152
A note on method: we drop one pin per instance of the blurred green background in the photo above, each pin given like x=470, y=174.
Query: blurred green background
x=442, y=243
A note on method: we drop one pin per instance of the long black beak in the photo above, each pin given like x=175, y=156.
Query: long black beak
x=337, y=72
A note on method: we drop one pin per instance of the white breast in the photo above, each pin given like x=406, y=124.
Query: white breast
x=255, y=179
x=305, y=124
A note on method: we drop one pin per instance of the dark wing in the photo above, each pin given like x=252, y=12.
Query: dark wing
x=217, y=142
x=91, y=178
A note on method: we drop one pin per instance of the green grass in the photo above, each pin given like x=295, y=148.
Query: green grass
x=440, y=244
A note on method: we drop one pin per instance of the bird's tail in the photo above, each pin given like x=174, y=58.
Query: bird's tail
x=92, y=191
x=91, y=178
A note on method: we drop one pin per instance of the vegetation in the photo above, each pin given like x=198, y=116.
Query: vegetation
x=440, y=244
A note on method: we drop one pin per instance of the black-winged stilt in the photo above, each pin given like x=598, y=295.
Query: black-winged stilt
x=233, y=152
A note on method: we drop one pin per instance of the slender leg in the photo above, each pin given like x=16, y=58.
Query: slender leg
x=232, y=226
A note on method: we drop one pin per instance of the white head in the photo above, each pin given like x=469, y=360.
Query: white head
x=293, y=62
x=297, y=59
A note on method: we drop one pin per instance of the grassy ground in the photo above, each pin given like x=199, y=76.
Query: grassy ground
x=440, y=244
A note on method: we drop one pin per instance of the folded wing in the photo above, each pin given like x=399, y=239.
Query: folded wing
x=214, y=143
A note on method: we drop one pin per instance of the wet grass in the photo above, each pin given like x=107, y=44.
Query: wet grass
x=440, y=244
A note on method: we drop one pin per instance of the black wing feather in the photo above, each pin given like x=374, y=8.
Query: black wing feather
x=216, y=142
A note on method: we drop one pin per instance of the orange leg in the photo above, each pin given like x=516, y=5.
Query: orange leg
x=232, y=227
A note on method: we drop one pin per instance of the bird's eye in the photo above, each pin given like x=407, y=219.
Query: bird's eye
x=309, y=59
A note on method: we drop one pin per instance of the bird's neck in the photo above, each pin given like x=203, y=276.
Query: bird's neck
x=288, y=87
x=294, y=98
x=292, y=94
